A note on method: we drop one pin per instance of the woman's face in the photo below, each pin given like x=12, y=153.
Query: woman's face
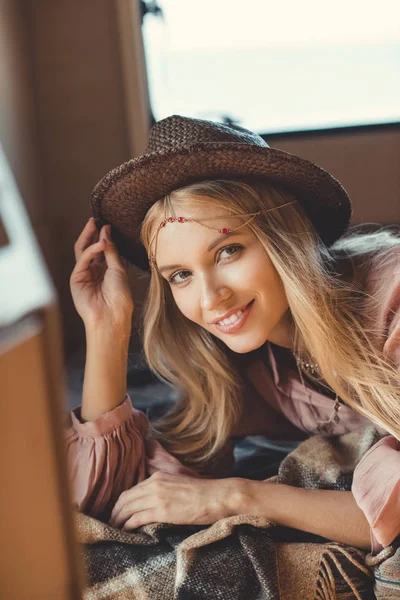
x=225, y=283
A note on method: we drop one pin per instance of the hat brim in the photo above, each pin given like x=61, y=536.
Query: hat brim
x=123, y=196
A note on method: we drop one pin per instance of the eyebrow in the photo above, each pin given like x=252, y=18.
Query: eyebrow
x=213, y=244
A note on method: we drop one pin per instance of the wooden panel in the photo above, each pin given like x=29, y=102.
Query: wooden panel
x=37, y=555
x=37, y=541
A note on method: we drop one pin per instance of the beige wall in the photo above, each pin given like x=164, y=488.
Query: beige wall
x=81, y=122
x=65, y=120
x=366, y=162
x=18, y=131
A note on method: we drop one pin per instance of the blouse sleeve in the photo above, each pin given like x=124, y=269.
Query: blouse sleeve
x=376, y=483
x=110, y=455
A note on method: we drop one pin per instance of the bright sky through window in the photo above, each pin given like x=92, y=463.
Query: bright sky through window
x=276, y=66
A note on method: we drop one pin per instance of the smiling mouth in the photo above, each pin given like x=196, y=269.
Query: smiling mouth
x=236, y=321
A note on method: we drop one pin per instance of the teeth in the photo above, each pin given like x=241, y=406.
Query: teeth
x=231, y=319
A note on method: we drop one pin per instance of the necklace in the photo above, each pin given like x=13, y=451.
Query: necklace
x=326, y=426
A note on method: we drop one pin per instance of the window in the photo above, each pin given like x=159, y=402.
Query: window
x=276, y=66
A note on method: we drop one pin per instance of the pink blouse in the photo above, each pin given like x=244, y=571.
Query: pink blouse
x=114, y=453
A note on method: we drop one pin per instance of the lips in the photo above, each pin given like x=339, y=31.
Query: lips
x=229, y=313
x=239, y=323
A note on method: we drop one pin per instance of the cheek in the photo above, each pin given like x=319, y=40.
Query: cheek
x=253, y=272
x=265, y=279
x=188, y=306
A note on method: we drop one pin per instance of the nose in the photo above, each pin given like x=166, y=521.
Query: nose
x=212, y=293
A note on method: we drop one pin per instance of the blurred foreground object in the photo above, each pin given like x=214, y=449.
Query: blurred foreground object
x=39, y=557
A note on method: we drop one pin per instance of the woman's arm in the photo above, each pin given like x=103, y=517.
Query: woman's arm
x=104, y=386
x=328, y=513
x=108, y=451
x=105, y=439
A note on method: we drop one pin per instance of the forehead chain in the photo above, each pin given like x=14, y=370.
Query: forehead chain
x=224, y=230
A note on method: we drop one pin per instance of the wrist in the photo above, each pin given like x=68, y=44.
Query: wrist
x=242, y=499
x=254, y=497
x=108, y=333
x=120, y=325
x=107, y=354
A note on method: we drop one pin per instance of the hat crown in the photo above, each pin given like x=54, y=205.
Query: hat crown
x=177, y=132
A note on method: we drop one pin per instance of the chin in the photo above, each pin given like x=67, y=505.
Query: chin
x=242, y=346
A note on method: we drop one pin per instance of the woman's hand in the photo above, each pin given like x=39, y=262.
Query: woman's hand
x=186, y=500
x=99, y=282
x=178, y=499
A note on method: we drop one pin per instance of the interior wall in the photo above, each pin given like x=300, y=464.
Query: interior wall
x=18, y=130
x=64, y=124
x=365, y=161
x=81, y=120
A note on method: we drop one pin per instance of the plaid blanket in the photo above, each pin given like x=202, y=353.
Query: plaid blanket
x=386, y=567
x=245, y=556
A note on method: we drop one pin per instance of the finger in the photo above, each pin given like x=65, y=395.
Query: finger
x=86, y=238
x=86, y=256
x=129, y=496
x=139, y=504
x=126, y=499
x=99, y=258
x=111, y=253
x=137, y=498
x=143, y=517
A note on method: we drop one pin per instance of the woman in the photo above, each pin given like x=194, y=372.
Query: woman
x=266, y=317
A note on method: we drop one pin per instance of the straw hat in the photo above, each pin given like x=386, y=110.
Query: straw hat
x=182, y=150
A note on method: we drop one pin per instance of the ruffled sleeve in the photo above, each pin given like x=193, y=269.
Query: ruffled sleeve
x=110, y=455
x=376, y=482
x=376, y=488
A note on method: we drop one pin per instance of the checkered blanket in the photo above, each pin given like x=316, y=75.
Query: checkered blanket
x=244, y=556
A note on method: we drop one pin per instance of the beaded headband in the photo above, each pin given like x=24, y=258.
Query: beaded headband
x=225, y=230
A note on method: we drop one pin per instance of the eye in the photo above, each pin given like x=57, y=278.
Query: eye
x=231, y=250
x=173, y=279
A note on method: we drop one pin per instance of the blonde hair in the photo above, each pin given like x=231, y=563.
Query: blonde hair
x=330, y=312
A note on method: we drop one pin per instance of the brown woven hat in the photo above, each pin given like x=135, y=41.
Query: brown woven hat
x=183, y=150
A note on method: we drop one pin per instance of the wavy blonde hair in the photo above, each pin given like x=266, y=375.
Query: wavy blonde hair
x=330, y=310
